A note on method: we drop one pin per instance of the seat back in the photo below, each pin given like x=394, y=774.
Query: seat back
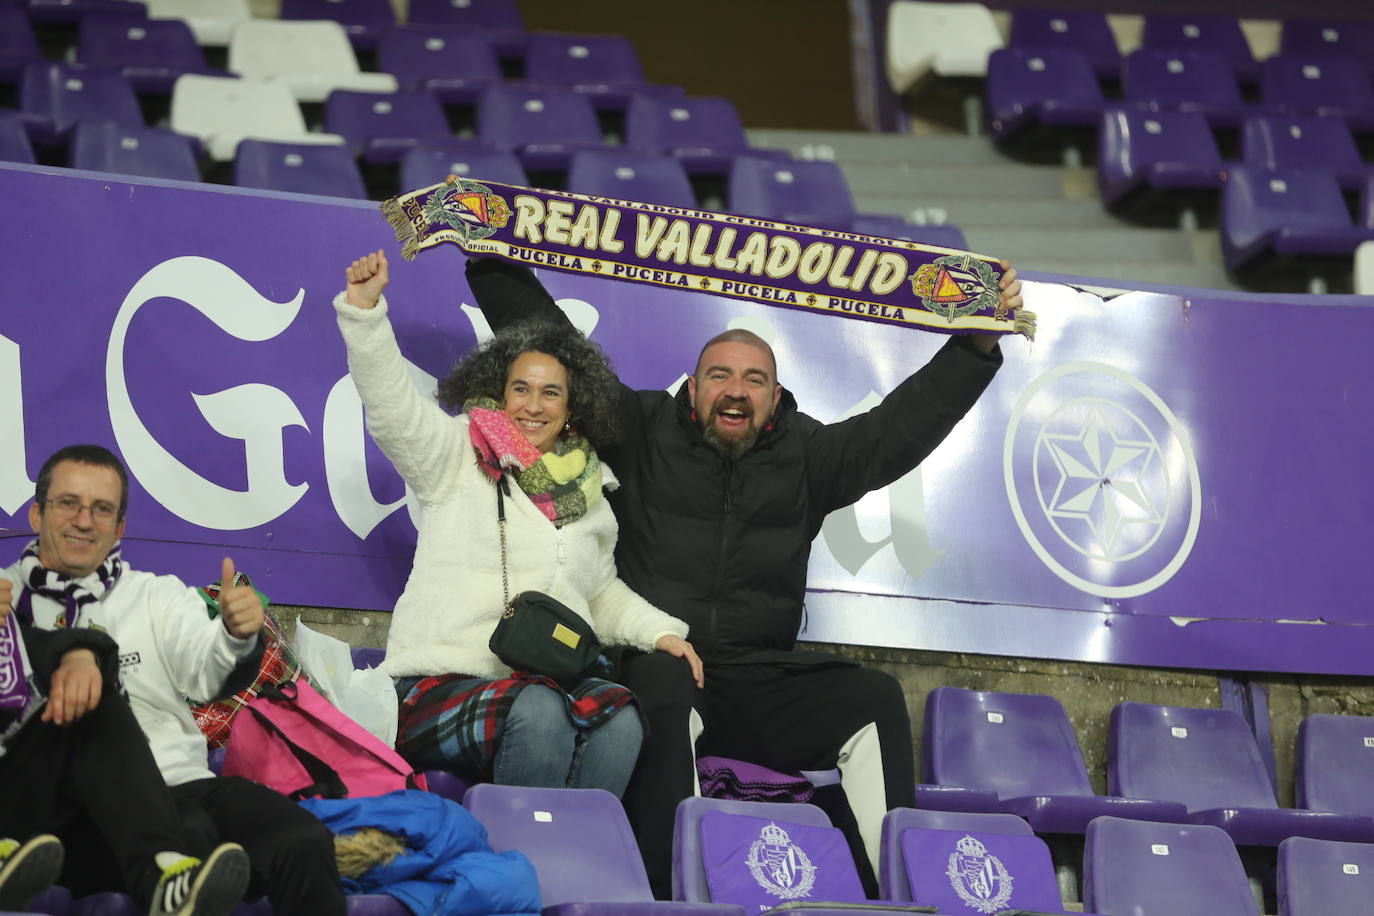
x=14, y=140
x=1256, y=203
x=1146, y=868
x=1321, y=877
x=893, y=882
x=951, y=39
x=117, y=41
x=1298, y=142
x=429, y=165
x=414, y=55
x=627, y=175
x=1310, y=83
x=1335, y=764
x=1021, y=80
x=759, y=854
x=1131, y=142
x=1180, y=79
x=203, y=106
x=578, y=839
x=212, y=21
x=1328, y=38
x=482, y=14
x=18, y=45
x=299, y=168
x=808, y=192
x=360, y=117
x=510, y=117
x=571, y=60
x=1198, y=32
x=1084, y=31
x=1014, y=744
x=358, y=17
x=66, y=94
x=658, y=124
x=105, y=147
x=1204, y=758
x=265, y=48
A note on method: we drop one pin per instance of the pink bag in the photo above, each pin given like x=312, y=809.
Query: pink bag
x=295, y=741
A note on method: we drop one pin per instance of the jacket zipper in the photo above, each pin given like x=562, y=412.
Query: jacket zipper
x=729, y=505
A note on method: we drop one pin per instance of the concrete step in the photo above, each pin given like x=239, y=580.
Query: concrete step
x=951, y=207
x=1128, y=273
x=859, y=148
x=998, y=180
x=1022, y=244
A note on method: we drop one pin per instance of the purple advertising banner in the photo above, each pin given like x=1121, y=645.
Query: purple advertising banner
x=1158, y=479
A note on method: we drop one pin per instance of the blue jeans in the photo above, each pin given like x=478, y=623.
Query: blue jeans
x=541, y=747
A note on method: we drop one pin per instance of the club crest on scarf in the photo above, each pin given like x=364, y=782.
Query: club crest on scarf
x=956, y=286
x=780, y=866
x=469, y=208
x=979, y=877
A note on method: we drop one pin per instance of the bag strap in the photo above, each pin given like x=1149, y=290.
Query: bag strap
x=501, y=487
x=326, y=779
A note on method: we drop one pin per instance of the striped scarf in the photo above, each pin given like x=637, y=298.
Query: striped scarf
x=563, y=483
x=73, y=594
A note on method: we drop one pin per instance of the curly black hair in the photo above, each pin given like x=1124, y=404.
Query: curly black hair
x=594, y=390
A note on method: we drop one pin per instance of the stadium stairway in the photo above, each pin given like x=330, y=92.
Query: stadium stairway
x=1039, y=217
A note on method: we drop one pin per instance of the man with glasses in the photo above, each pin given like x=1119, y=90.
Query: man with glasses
x=170, y=650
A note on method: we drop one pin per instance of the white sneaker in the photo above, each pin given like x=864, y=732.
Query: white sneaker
x=191, y=887
x=28, y=869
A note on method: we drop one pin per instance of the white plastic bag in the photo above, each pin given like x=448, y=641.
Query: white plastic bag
x=366, y=696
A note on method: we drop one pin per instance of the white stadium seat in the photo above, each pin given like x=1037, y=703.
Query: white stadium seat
x=311, y=58
x=1364, y=269
x=211, y=21
x=951, y=39
x=221, y=112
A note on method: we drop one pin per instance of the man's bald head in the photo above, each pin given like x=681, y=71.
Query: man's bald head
x=740, y=335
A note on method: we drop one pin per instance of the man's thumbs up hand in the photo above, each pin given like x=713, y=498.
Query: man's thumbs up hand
x=239, y=605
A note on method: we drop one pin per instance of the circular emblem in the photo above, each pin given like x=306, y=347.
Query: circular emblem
x=978, y=877
x=780, y=866
x=470, y=208
x=955, y=286
x=1102, y=479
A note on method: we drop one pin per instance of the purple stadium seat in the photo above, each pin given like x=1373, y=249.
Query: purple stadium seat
x=18, y=46
x=704, y=132
x=76, y=10
x=603, y=66
x=383, y=126
x=582, y=848
x=1334, y=770
x=1150, y=869
x=1155, y=151
x=1084, y=31
x=1336, y=86
x=1023, y=747
x=1201, y=32
x=150, y=53
x=56, y=96
x=454, y=64
x=365, y=21
x=1320, y=878
x=809, y=193
x=501, y=18
x=1199, y=81
x=894, y=227
x=1051, y=89
x=1304, y=142
x=628, y=175
x=14, y=139
x=55, y=901
x=893, y=883
x=1207, y=759
x=1326, y=38
x=1291, y=213
x=298, y=168
x=148, y=151
x=428, y=165
x=543, y=126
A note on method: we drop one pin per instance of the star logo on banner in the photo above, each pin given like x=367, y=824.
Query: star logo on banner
x=1106, y=483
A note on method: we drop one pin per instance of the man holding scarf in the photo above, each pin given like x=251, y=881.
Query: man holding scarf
x=724, y=487
x=72, y=578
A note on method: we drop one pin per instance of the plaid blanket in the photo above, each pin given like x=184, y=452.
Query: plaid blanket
x=449, y=721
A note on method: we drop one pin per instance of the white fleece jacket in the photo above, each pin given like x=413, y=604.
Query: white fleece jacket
x=169, y=650
x=453, y=597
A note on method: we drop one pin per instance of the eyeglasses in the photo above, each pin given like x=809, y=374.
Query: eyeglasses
x=70, y=507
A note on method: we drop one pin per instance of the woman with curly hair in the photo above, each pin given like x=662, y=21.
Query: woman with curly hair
x=535, y=402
